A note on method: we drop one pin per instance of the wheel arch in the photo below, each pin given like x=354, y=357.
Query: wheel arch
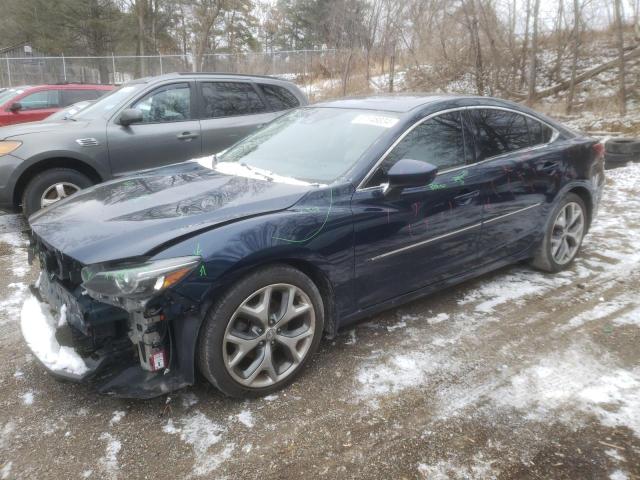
x=47, y=164
x=586, y=196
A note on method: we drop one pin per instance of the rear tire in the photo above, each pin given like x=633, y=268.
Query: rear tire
x=563, y=238
x=260, y=334
x=48, y=186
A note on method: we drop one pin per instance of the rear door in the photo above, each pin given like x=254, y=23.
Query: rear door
x=229, y=111
x=517, y=175
x=168, y=133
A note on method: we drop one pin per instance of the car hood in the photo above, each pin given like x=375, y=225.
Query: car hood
x=131, y=216
x=22, y=129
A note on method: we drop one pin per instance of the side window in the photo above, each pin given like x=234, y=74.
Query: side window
x=229, y=99
x=279, y=98
x=42, y=99
x=539, y=132
x=438, y=141
x=497, y=132
x=170, y=103
x=69, y=97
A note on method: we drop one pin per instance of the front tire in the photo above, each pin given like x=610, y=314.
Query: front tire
x=261, y=333
x=50, y=186
x=565, y=230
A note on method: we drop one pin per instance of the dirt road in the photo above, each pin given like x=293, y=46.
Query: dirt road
x=515, y=375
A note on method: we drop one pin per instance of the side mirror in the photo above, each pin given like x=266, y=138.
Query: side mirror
x=129, y=116
x=15, y=107
x=407, y=173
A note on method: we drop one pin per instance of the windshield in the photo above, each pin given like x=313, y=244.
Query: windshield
x=10, y=93
x=316, y=145
x=104, y=105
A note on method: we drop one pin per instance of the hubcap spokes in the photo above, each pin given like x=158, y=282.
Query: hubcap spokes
x=57, y=192
x=269, y=335
x=568, y=230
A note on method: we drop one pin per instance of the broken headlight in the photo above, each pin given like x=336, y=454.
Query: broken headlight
x=137, y=280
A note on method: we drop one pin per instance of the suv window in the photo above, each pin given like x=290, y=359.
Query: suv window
x=69, y=97
x=228, y=99
x=497, y=132
x=439, y=141
x=539, y=132
x=170, y=103
x=41, y=99
x=279, y=98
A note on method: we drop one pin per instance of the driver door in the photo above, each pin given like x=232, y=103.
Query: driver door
x=168, y=133
x=425, y=234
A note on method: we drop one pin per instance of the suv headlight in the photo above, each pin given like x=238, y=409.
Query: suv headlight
x=8, y=146
x=137, y=280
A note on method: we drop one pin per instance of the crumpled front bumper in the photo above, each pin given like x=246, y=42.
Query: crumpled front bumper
x=112, y=370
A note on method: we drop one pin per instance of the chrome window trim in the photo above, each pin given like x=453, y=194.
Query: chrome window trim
x=455, y=232
x=554, y=136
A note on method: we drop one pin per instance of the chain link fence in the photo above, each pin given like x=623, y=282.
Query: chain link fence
x=320, y=73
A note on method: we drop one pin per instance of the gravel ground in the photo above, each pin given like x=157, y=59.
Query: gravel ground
x=517, y=374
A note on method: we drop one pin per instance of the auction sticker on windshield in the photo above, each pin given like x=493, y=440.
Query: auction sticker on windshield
x=375, y=120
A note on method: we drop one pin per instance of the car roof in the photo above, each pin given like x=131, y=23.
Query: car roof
x=390, y=102
x=191, y=75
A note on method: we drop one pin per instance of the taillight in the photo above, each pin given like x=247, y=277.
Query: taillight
x=598, y=149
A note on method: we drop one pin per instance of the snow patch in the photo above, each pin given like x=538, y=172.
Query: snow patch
x=109, y=462
x=117, y=416
x=245, y=417
x=447, y=470
x=202, y=434
x=38, y=329
x=6, y=470
x=27, y=398
x=618, y=475
x=580, y=379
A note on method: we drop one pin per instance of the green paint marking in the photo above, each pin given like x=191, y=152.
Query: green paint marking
x=198, y=251
x=203, y=270
x=461, y=176
x=437, y=186
x=317, y=231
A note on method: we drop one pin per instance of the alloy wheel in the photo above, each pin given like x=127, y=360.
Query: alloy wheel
x=568, y=230
x=57, y=192
x=269, y=335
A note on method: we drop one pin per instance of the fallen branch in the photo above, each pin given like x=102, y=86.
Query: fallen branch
x=635, y=53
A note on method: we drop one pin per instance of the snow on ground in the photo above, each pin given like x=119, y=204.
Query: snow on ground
x=203, y=435
x=11, y=302
x=109, y=462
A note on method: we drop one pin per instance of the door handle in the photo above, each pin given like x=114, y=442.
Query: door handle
x=188, y=136
x=549, y=166
x=466, y=198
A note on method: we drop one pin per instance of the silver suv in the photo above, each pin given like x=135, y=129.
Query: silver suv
x=145, y=123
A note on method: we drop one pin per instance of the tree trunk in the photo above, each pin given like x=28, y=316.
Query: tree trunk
x=622, y=94
x=525, y=45
x=559, y=40
x=533, y=64
x=346, y=72
x=576, y=53
x=140, y=14
x=392, y=66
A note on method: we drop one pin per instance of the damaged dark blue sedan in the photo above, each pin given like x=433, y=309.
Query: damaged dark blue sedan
x=237, y=265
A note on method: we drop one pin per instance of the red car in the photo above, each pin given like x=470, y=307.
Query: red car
x=29, y=104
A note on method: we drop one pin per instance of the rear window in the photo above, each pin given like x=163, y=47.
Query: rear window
x=279, y=98
x=539, y=132
x=69, y=97
x=229, y=99
x=497, y=132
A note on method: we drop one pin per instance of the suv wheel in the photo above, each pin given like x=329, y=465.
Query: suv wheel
x=257, y=338
x=565, y=230
x=50, y=186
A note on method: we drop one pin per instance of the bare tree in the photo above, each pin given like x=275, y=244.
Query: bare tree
x=576, y=40
x=471, y=18
x=533, y=55
x=622, y=94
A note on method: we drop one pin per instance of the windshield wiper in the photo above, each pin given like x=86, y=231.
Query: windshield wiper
x=265, y=175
